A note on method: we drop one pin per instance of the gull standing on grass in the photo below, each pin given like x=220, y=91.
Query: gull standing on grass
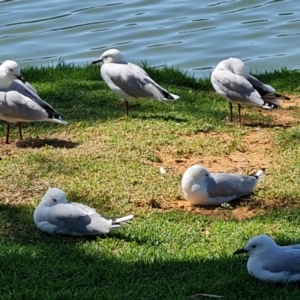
x=128, y=80
x=270, y=262
x=231, y=79
x=200, y=187
x=55, y=214
x=19, y=101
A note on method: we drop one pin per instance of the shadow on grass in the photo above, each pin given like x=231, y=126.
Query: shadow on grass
x=266, y=125
x=39, y=143
x=34, y=265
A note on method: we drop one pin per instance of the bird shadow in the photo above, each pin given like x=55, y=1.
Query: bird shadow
x=266, y=125
x=164, y=118
x=40, y=143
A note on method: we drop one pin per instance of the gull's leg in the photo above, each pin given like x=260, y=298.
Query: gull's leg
x=127, y=107
x=20, y=130
x=230, y=109
x=239, y=108
x=7, y=133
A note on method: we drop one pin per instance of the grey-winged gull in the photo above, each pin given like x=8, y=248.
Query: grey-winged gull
x=269, y=262
x=200, y=187
x=128, y=80
x=55, y=214
x=19, y=101
x=231, y=79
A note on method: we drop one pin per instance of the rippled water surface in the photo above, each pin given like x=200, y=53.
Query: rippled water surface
x=193, y=35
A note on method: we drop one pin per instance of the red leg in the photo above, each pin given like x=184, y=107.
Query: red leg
x=230, y=108
x=20, y=130
x=7, y=133
x=239, y=107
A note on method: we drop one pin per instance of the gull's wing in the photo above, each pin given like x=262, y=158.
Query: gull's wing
x=29, y=91
x=75, y=220
x=235, y=87
x=134, y=81
x=287, y=260
x=15, y=105
x=87, y=209
x=229, y=185
x=266, y=91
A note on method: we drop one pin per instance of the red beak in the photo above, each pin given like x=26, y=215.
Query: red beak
x=21, y=78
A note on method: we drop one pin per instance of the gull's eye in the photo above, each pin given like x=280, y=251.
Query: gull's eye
x=206, y=175
x=10, y=70
x=54, y=200
x=253, y=246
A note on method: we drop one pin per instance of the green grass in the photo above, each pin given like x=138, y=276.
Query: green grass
x=111, y=162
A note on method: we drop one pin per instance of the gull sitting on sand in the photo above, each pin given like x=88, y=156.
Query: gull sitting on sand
x=200, y=187
x=19, y=101
x=128, y=80
x=55, y=214
x=231, y=79
x=270, y=262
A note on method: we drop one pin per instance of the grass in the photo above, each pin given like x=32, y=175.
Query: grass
x=111, y=162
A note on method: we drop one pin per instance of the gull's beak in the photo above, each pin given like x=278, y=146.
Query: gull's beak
x=99, y=60
x=21, y=78
x=240, y=251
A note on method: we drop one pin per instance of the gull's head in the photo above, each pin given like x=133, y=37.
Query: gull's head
x=11, y=70
x=110, y=56
x=197, y=173
x=237, y=67
x=257, y=245
x=54, y=196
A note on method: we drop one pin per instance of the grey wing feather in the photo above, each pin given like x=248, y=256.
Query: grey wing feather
x=74, y=218
x=15, y=105
x=236, y=88
x=135, y=82
x=266, y=91
x=64, y=213
x=288, y=260
x=255, y=82
x=86, y=208
x=29, y=91
x=30, y=87
x=226, y=185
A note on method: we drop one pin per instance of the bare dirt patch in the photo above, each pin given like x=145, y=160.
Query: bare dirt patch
x=257, y=152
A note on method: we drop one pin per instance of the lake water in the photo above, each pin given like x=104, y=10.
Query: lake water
x=193, y=35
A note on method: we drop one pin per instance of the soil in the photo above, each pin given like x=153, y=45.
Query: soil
x=257, y=153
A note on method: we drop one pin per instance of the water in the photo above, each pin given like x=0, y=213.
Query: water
x=193, y=35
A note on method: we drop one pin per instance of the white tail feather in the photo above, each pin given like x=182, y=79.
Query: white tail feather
x=259, y=175
x=175, y=97
x=59, y=121
x=118, y=222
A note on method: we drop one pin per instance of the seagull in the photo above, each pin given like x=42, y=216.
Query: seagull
x=231, y=79
x=200, y=187
x=20, y=102
x=128, y=80
x=270, y=262
x=55, y=214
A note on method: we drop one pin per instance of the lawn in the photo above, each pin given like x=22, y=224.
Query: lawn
x=112, y=162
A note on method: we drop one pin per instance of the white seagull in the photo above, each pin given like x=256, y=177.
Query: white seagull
x=128, y=80
x=231, y=79
x=19, y=101
x=55, y=214
x=200, y=187
x=270, y=262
